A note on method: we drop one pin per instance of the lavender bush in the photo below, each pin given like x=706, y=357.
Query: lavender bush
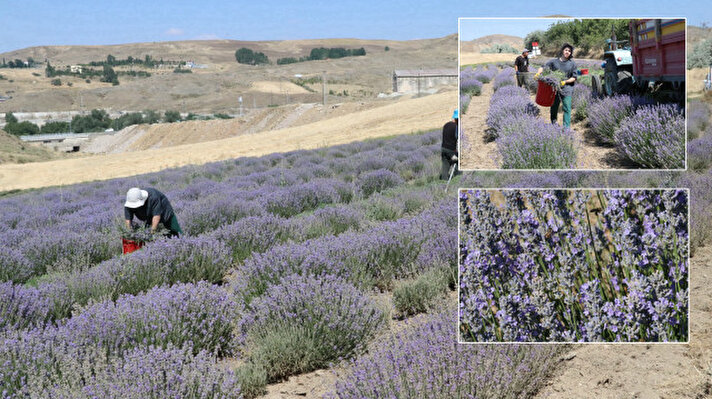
x=471, y=86
x=580, y=101
x=653, y=137
x=304, y=323
x=464, y=103
x=574, y=266
x=606, y=114
x=504, y=78
x=699, y=153
x=35, y=365
x=532, y=143
x=504, y=109
x=698, y=119
x=425, y=361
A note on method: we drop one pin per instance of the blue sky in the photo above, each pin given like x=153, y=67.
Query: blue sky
x=33, y=22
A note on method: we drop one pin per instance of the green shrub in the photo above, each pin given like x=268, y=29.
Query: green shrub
x=171, y=116
x=411, y=297
x=56, y=82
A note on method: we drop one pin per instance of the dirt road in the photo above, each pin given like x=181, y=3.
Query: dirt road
x=402, y=117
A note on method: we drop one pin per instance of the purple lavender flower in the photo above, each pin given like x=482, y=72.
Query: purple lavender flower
x=653, y=137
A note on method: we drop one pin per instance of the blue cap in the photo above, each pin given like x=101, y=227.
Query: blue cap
x=455, y=115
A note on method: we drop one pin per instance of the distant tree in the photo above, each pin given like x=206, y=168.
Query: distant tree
x=359, y=51
x=109, y=76
x=133, y=118
x=10, y=118
x=56, y=82
x=110, y=60
x=22, y=128
x=287, y=60
x=49, y=70
x=319, y=53
x=171, y=116
x=30, y=62
x=54, y=127
x=130, y=59
x=701, y=55
x=97, y=121
x=151, y=116
x=247, y=56
x=386, y=48
x=19, y=63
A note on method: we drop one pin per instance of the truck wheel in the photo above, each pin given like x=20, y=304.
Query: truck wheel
x=625, y=82
x=596, y=87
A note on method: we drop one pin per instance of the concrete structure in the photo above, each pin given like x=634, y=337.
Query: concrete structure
x=421, y=80
x=67, y=142
x=75, y=69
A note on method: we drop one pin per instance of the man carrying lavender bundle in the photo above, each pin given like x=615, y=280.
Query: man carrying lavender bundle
x=564, y=95
x=152, y=207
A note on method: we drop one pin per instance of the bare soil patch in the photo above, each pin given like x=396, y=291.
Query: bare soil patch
x=476, y=152
x=278, y=87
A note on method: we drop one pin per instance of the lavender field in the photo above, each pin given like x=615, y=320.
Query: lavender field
x=584, y=266
x=644, y=133
x=276, y=275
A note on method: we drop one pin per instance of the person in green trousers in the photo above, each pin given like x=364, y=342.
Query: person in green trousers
x=566, y=65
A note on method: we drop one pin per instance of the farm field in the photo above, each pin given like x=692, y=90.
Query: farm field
x=505, y=129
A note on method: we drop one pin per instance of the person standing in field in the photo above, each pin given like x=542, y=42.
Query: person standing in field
x=566, y=65
x=448, y=150
x=151, y=207
x=521, y=66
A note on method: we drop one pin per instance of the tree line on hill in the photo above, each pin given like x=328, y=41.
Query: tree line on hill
x=586, y=35
x=98, y=120
x=18, y=63
x=250, y=57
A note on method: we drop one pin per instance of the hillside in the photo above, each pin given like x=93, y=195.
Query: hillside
x=13, y=150
x=429, y=112
x=217, y=87
x=484, y=42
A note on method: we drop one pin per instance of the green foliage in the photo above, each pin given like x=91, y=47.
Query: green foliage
x=322, y=53
x=109, y=76
x=182, y=70
x=56, y=82
x=417, y=296
x=55, y=127
x=249, y=57
x=21, y=128
x=701, y=55
x=10, y=118
x=192, y=117
x=287, y=60
x=386, y=48
x=171, y=116
x=132, y=118
x=222, y=116
x=151, y=116
x=584, y=34
x=500, y=48
x=97, y=121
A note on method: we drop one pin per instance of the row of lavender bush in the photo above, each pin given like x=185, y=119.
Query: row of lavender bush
x=525, y=141
x=83, y=218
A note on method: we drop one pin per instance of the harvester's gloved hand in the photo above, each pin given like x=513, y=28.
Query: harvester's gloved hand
x=563, y=83
x=536, y=75
x=454, y=158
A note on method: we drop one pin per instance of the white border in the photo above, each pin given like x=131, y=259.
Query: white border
x=574, y=169
x=689, y=272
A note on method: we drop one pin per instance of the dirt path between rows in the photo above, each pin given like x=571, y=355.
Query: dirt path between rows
x=406, y=116
x=475, y=151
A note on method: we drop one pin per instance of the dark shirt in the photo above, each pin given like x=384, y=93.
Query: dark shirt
x=522, y=63
x=156, y=204
x=568, y=67
x=449, y=145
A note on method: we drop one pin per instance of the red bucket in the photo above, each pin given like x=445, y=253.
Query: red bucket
x=130, y=246
x=584, y=71
x=545, y=94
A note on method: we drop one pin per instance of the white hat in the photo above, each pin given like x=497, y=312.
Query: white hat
x=135, y=197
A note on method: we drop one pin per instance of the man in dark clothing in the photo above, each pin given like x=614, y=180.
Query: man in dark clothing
x=566, y=65
x=521, y=66
x=152, y=207
x=448, y=150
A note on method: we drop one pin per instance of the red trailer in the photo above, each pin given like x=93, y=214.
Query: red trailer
x=658, y=50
